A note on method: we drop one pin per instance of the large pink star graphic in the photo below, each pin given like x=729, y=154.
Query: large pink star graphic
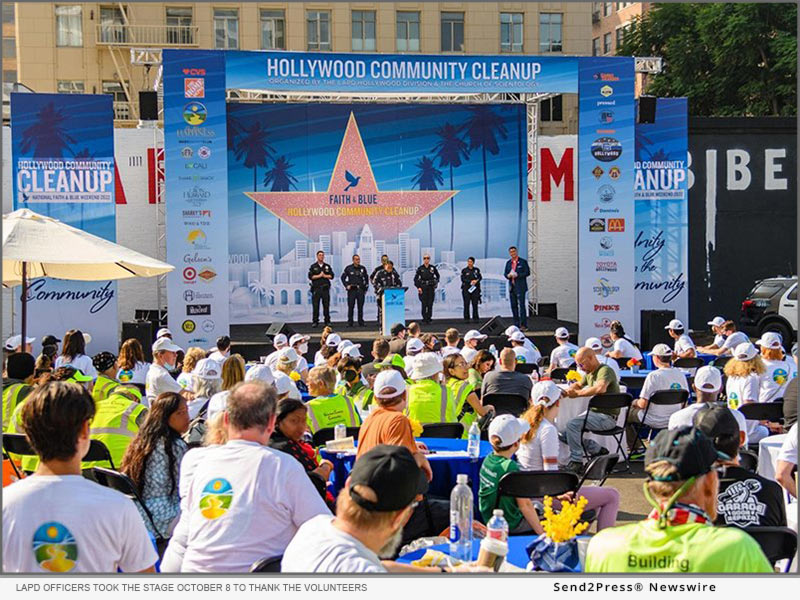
x=352, y=199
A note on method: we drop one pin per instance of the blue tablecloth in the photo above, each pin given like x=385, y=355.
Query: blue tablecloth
x=648, y=359
x=517, y=555
x=445, y=468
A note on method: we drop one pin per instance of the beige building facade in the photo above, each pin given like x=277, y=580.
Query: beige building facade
x=86, y=47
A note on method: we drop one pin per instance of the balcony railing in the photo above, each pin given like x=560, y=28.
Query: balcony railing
x=146, y=35
x=125, y=111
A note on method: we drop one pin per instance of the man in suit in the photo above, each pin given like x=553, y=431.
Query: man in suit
x=517, y=272
x=356, y=282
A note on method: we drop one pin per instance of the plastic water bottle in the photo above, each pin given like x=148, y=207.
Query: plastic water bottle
x=461, y=520
x=497, y=527
x=474, y=441
x=340, y=431
x=493, y=350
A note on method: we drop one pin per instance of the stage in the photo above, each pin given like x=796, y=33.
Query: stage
x=252, y=342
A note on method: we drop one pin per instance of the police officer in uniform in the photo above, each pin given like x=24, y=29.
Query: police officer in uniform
x=471, y=288
x=320, y=275
x=386, y=278
x=379, y=268
x=356, y=282
x=425, y=280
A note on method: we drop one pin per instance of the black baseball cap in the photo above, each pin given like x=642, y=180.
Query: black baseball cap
x=716, y=421
x=392, y=473
x=397, y=328
x=689, y=449
x=50, y=340
x=20, y=365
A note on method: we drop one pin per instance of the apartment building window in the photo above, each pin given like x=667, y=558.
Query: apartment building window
x=552, y=109
x=620, y=33
x=596, y=46
x=8, y=12
x=607, y=8
x=69, y=30
x=122, y=108
x=318, y=23
x=606, y=43
x=226, y=29
x=70, y=87
x=273, y=30
x=112, y=25
x=179, y=25
x=621, y=5
x=550, y=32
x=511, y=32
x=452, y=32
x=363, y=30
x=407, y=31
x=9, y=47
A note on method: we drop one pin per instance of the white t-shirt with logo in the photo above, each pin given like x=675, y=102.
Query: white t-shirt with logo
x=544, y=443
x=685, y=418
x=733, y=340
x=683, y=343
x=660, y=380
x=788, y=451
x=527, y=356
x=627, y=349
x=775, y=379
x=69, y=524
x=159, y=381
x=563, y=355
x=80, y=362
x=240, y=502
x=136, y=375
x=319, y=547
x=741, y=389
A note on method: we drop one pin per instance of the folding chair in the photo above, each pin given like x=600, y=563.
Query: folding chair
x=608, y=401
x=526, y=368
x=16, y=443
x=443, y=430
x=267, y=565
x=598, y=469
x=559, y=374
x=328, y=433
x=720, y=362
x=778, y=543
x=660, y=398
x=124, y=484
x=748, y=460
x=506, y=404
x=768, y=411
x=536, y=484
x=622, y=361
x=98, y=452
x=691, y=364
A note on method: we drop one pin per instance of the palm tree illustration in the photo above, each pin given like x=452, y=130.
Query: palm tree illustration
x=259, y=289
x=450, y=150
x=252, y=149
x=483, y=128
x=428, y=177
x=280, y=179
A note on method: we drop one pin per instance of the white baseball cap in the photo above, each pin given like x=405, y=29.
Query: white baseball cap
x=163, y=332
x=717, y=321
x=288, y=354
x=517, y=336
x=414, y=345
x=708, y=379
x=389, y=378
x=562, y=333
x=261, y=373
x=352, y=351
x=207, y=368
x=87, y=337
x=593, y=343
x=15, y=341
x=508, y=428
x=675, y=324
x=333, y=340
x=545, y=392
x=344, y=344
x=770, y=339
x=511, y=329
x=745, y=351
x=661, y=350
x=283, y=383
x=164, y=343
x=425, y=365
x=298, y=337
x=474, y=334
x=280, y=340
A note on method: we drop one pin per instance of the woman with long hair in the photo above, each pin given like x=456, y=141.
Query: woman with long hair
x=232, y=373
x=778, y=368
x=468, y=406
x=319, y=359
x=623, y=345
x=538, y=450
x=132, y=365
x=191, y=358
x=73, y=353
x=153, y=460
x=744, y=373
x=483, y=362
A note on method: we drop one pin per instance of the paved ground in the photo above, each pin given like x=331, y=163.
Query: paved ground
x=632, y=504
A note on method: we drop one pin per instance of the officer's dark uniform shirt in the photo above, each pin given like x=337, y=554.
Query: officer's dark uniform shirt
x=357, y=276
x=468, y=275
x=386, y=279
x=323, y=282
x=426, y=277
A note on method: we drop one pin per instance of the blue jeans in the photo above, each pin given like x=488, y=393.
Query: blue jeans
x=597, y=422
x=519, y=308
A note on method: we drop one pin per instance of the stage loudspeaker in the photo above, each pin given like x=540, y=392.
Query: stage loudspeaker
x=279, y=327
x=652, y=330
x=148, y=106
x=647, y=109
x=494, y=326
x=142, y=331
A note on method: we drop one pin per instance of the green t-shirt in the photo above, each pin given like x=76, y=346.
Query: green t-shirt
x=493, y=468
x=604, y=373
x=691, y=548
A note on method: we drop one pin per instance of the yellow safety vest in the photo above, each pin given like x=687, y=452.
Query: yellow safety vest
x=430, y=402
x=13, y=394
x=362, y=397
x=115, y=425
x=103, y=387
x=465, y=414
x=328, y=411
x=28, y=463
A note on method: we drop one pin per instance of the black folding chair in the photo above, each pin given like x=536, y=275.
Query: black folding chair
x=559, y=374
x=690, y=364
x=608, y=402
x=124, y=484
x=16, y=443
x=98, y=452
x=267, y=565
x=777, y=543
x=748, y=460
x=536, y=484
x=506, y=404
x=328, y=433
x=443, y=430
x=660, y=398
x=720, y=362
x=526, y=368
x=622, y=361
x=598, y=469
x=768, y=411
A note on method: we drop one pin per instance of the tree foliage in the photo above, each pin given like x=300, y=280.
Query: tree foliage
x=728, y=59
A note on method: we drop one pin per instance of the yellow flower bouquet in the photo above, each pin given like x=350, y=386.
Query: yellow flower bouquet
x=416, y=428
x=573, y=376
x=556, y=550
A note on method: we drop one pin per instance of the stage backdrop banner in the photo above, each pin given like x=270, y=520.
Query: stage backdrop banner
x=371, y=179
x=63, y=167
x=605, y=195
x=662, y=215
x=195, y=139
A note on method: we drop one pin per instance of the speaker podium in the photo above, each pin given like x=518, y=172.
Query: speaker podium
x=394, y=308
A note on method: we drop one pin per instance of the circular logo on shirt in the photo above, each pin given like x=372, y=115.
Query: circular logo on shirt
x=125, y=375
x=675, y=386
x=733, y=400
x=572, y=352
x=780, y=376
x=55, y=547
x=216, y=499
x=520, y=358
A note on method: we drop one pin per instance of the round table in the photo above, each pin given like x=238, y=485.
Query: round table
x=517, y=555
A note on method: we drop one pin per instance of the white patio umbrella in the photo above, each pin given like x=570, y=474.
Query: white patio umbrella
x=39, y=246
